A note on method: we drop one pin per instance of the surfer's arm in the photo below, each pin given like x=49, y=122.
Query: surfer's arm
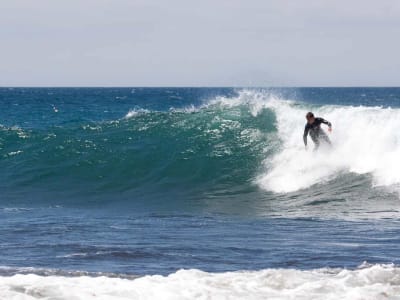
x=305, y=135
x=326, y=122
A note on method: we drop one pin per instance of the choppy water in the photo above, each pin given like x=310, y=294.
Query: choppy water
x=140, y=181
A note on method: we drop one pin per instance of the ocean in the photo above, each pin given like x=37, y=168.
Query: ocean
x=198, y=193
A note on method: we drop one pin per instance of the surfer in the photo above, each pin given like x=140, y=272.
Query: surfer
x=313, y=127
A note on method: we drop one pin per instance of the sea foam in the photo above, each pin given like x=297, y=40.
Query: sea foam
x=370, y=282
x=366, y=140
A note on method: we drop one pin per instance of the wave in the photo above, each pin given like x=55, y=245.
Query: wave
x=225, y=145
x=367, y=282
x=146, y=151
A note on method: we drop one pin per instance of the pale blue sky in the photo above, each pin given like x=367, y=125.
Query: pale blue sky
x=199, y=43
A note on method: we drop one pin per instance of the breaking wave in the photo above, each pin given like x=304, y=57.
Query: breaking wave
x=226, y=145
x=367, y=282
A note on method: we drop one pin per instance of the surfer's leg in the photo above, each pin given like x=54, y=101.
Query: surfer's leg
x=317, y=144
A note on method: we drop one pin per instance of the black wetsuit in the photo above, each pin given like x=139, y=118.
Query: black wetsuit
x=316, y=133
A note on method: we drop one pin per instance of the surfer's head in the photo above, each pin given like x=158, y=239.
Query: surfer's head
x=310, y=117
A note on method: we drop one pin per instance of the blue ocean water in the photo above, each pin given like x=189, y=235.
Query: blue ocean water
x=137, y=181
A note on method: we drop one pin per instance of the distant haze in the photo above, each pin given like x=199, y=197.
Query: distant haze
x=199, y=43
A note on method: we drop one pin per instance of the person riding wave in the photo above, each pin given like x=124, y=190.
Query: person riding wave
x=313, y=127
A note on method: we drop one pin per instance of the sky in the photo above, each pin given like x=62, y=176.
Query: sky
x=199, y=43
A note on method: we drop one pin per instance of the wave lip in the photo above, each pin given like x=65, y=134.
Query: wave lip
x=367, y=282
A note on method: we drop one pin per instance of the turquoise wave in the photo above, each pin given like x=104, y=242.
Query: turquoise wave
x=212, y=148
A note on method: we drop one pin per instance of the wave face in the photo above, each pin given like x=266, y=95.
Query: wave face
x=369, y=282
x=68, y=147
x=146, y=151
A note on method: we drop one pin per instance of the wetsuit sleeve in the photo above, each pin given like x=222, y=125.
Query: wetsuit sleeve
x=306, y=129
x=326, y=122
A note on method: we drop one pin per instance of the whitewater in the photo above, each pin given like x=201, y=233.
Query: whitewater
x=205, y=193
x=366, y=141
x=368, y=282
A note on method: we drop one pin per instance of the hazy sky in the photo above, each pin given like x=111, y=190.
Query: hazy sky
x=199, y=43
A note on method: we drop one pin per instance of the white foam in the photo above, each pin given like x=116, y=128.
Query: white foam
x=366, y=140
x=135, y=112
x=373, y=282
x=12, y=153
x=255, y=100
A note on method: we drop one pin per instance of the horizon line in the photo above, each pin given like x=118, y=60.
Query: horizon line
x=195, y=87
